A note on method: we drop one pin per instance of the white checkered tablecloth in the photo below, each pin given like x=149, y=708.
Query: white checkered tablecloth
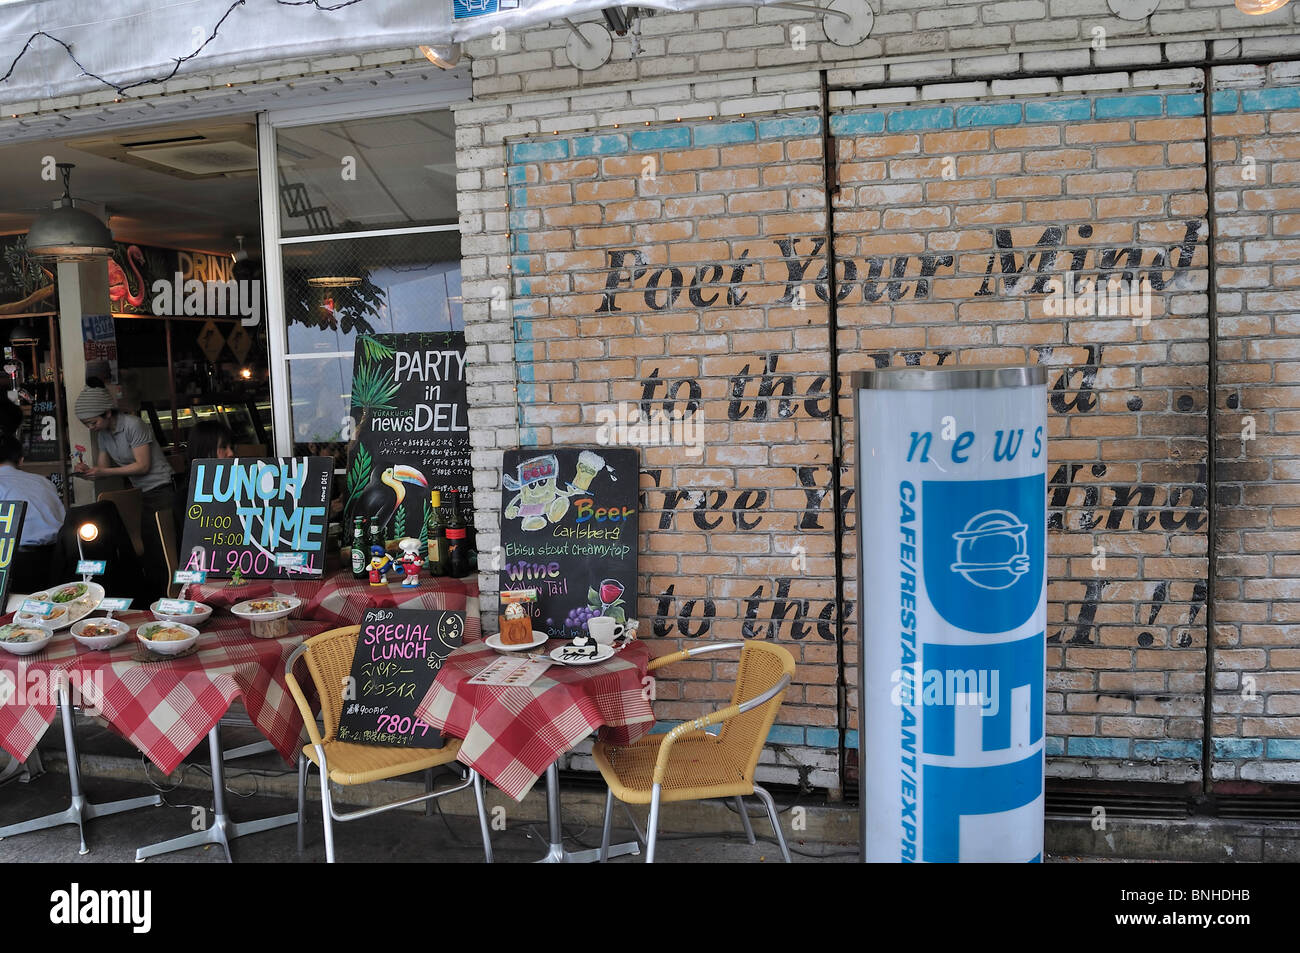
x=164, y=708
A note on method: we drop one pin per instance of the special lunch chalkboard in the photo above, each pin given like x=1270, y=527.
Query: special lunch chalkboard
x=569, y=531
x=412, y=427
x=11, y=531
x=399, y=654
x=263, y=516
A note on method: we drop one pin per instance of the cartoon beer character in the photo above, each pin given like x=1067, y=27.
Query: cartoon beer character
x=538, y=499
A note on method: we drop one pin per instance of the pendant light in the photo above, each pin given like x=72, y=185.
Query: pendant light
x=67, y=233
x=1258, y=7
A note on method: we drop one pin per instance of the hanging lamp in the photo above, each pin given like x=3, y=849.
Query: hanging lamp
x=67, y=233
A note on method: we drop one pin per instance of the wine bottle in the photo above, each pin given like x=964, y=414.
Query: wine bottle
x=437, y=532
x=457, y=547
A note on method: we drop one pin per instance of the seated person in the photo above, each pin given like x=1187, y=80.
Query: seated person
x=208, y=439
x=30, y=569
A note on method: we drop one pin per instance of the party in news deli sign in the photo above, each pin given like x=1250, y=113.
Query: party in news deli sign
x=11, y=531
x=399, y=653
x=954, y=583
x=569, y=531
x=411, y=416
x=242, y=514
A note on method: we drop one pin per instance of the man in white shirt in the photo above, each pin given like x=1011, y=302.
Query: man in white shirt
x=30, y=567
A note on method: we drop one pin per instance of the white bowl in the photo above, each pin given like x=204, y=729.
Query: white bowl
x=244, y=610
x=167, y=648
x=101, y=643
x=25, y=648
x=196, y=618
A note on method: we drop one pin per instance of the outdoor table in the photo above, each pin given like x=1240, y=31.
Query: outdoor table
x=512, y=734
x=165, y=708
x=338, y=599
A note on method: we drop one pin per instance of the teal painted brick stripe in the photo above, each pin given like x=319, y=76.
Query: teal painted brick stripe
x=725, y=134
x=520, y=266
x=856, y=124
x=524, y=356
x=991, y=114
x=1231, y=749
x=850, y=739
x=669, y=137
x=1150, y=750
x=528, y=437
x=1185, y=104
x=518, y=197
x=790, y=128
x=516, y=175
x=1224, y=101
x=1098, y=747
x=520, y=239
x=539, y=151
x=784, y=735
x=599, y=145
x=1058, y=110
x=1264, y=100
x=1284, y=749
x=1054, y=746
x=1118, y=107
x=822, y=737
x=917, y=120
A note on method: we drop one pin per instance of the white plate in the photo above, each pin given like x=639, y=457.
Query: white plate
x=603, y=653
x=167, y=648
x=101, y=643
x=73, y=611
x=494, y=641
x=243, y=610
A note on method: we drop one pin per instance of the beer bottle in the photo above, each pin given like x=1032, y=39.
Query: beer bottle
x=375, y=537
x=437, y=533
x=457, y=546
x=360, y=551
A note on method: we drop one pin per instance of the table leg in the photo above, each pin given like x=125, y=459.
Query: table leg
x=80, y=810
x=556, y=854
x=223, y=830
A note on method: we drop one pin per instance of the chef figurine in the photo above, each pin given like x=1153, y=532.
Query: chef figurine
x=411, y=561
x=380, y=564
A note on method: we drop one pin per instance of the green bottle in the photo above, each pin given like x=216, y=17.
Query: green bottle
x=360, y=557
x=437, y=532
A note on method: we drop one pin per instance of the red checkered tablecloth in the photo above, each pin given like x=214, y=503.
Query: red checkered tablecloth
x=513, y=734
x=338, y=599
x=164, y=708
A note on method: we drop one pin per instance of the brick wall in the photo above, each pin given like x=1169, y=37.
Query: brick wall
x=977, y=184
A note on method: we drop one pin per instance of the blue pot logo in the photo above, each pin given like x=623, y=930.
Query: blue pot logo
x=991, y=550
x=984, y=543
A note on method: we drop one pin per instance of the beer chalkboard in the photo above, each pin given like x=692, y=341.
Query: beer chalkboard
x=411, y=420
x=569, y=531
x=265, y=517
x=11, y=531
x=399, y=654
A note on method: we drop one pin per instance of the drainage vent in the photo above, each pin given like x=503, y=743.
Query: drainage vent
x=1075, y=804
x=1253, y=808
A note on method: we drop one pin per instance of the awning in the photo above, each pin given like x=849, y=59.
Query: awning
x=125, y=42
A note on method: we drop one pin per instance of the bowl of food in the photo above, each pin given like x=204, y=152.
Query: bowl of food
x=167, y=638
x=196, y=618
x=100, y=635
x=72, y=601
x=266, y=608
x=19, y=639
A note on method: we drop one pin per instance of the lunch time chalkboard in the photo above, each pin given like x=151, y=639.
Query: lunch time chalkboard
x=399, y=654
x=411, y=421
x=11, y=531
x=569, y=531
x=265, y=517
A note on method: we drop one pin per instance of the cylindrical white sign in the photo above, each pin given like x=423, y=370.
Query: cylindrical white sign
x=952, y=557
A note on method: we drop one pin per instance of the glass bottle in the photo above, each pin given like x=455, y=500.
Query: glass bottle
x=437, y=533
x=360, y=556
x=457, y=545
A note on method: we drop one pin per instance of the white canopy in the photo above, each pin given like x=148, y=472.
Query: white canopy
x=133, y=41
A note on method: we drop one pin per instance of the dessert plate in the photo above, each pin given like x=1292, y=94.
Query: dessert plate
x=566, y=655
x=494, y=641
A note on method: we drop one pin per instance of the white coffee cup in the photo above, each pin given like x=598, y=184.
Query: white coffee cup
x=604, y=629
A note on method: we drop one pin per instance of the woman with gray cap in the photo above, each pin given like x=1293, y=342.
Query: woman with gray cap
x=127, y=448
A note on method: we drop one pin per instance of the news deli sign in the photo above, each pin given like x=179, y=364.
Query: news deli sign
x=952, y=550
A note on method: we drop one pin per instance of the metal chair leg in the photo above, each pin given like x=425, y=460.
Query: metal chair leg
x=482, y=816
x=776, y=823
x=744, y=818
x=652, y=826
x=302, y=797
x=428, y=789
x=327, y=809
x=609, y=823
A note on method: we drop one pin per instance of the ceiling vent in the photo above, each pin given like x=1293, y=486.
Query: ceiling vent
x=225, y=149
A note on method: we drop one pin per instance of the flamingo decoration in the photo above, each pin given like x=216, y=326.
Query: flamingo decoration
x=119, y=289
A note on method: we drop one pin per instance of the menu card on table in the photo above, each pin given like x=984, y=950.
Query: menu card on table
x=511, y=670
x=399, y=653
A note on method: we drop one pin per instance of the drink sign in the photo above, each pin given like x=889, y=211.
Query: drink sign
x=11, y=531
x=243, y=514
x=399, y=653
x=569, y=530
x=91, y=567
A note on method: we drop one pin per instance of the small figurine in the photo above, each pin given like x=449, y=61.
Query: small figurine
x=380, y=565
x=410, y=562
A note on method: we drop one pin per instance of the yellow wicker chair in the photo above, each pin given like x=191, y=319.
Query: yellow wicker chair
x=688, y=763
x=328, y=657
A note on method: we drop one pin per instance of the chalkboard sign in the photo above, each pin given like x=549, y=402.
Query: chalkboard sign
x=241, y=513
x=11, y=531
x=411, y=419
x=399, y=654
x=569, y=531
